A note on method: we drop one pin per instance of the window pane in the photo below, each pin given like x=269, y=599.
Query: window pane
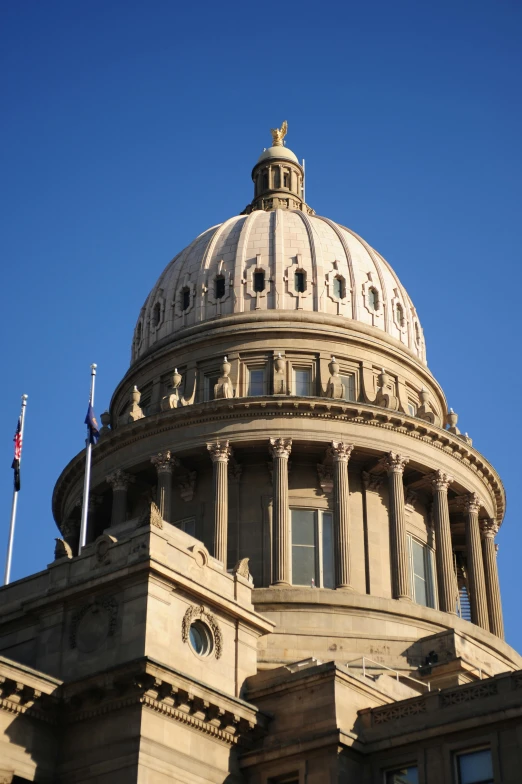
x=328, y=552
x=256, y=384
x=475, y=767
x=299, y=281
x=421, y=592
x=349, y=386
x=220, y=288
x=259, y=281
x=419, y=567
x=302, y=382
x=211, y=381
x=303, y=526
x=403, y=776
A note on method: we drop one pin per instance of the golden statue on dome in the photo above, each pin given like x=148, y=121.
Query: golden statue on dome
x=278, y=134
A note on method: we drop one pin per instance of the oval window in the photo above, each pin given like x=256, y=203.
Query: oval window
x=200, y=638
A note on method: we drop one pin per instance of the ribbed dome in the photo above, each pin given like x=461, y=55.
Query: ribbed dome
x=282, y=251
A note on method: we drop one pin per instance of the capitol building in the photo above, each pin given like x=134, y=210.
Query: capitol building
x=290, y=574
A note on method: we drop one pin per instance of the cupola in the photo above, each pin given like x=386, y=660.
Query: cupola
x=278, y=178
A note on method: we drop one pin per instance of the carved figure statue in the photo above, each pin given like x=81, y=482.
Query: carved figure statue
x=133, y=412
x=278, y=134
x=172, y=398
x=386, y=397
x=335, y=387
x=224, y=388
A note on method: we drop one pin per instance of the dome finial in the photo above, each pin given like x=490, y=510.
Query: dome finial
x=278, y=134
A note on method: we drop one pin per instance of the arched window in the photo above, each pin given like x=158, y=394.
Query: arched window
x=185, y=298
x=399, y=314
x=339, y=288
x=220, y=287
x=373, y=298
x=277, y=177
x=259, y=281
x=300, y=281
x=156, y=314
x=139, y=332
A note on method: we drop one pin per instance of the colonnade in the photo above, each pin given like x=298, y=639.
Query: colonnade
x=484, y=591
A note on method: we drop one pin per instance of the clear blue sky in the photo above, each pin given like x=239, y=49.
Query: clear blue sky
x=130, y=127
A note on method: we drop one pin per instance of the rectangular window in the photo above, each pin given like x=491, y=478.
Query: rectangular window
x=256, y=382
x=349, y=386
x=406, y=775
x=188, y=524
x=302, y=382
x=312, y=548
x=475, y=767
x=412, y=408
x=421, y=570
x=210, y=383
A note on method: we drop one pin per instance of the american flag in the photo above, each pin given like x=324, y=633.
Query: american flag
x=17, y=454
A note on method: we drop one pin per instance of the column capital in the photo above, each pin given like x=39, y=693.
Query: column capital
x=472, y=503
x=119, y=480
x=395, y=463
x=488, y=528
x=164, y=462
x=372, y=481
x=440, y=480
x=280, y=447
x=220, y=451
x=340, y=451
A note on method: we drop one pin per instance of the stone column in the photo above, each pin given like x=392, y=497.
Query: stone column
x=341, y=513
x=401, y=582
x=220, y=454
x=477, y=584
x=119, y=481
x=444, y=550
x=164, y=463
x=489, y=530
x=280, y=449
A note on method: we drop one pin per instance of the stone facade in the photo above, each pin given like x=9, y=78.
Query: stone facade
x=286, y=529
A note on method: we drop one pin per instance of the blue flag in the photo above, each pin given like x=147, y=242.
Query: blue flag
x=92, y=425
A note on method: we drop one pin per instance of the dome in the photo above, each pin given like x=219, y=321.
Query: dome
x=283, y=260
x=278, y=151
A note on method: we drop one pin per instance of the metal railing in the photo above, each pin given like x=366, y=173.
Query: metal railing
x=398, y=674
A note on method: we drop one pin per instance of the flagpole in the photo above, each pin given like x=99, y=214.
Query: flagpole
x=9, y=558
x=87, y=481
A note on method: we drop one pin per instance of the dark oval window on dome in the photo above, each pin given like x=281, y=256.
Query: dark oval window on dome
x=200, y=638
x=156, y=314
x=259, y=281
x=220, y=287
x=185, y=298
x=300, y=281
x=339, y=290
x=373, y=298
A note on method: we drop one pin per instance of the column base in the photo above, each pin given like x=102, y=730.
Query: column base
x=345, y=588
x=280, y=584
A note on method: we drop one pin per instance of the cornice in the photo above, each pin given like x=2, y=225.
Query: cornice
x=284, y=406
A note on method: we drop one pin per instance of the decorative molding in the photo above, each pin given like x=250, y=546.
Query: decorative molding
x=119, y=480
x=62, y=550
x=488, y=528
x=440, y=480
x=220, y=452
x=325, y=474
x=151, y=516
x=396, y=712
x=102, y=549
x=477, y=691
x=164, y=462
x=395, y=463
x=280, y=447
x=472, y=503
x=242, y=569
x=187, y=486
x=193, y=613
x=103, y=603
x=372, y=482
x=340, y=451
